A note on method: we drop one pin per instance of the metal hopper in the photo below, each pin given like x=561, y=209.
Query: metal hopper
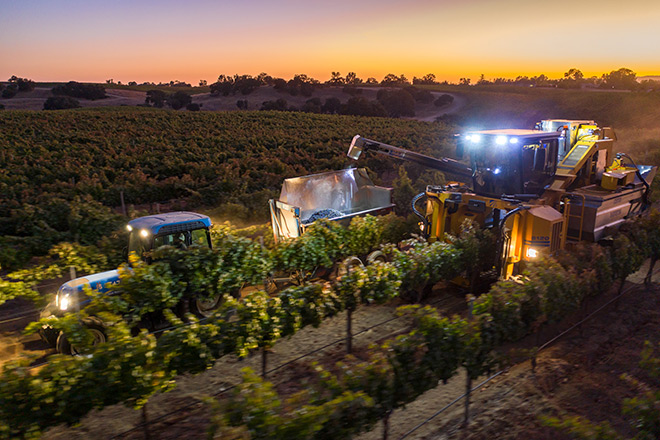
x=336, y=195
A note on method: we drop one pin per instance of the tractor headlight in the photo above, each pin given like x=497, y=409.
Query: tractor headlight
x=500, y=140
x=531, y=253
x=144, y=233
x=64, y=298
x=64, y=301
x=129, y=228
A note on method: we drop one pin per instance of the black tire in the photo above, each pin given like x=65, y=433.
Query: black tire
x=49, y=335
x=97, y=329
x=203, y=308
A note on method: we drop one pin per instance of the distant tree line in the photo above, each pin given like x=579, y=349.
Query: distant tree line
x=389, y=102
x=61, y=103
x=16, y=85
x=177, y=100
x=80, y=90
x=621, y=79
x=173, y=83
x=245, y=84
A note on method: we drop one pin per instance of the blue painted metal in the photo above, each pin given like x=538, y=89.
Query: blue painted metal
x=155, y=222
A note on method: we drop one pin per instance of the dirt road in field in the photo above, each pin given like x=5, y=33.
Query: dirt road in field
x=15, y=315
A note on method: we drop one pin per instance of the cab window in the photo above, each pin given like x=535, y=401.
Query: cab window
x=200, y=238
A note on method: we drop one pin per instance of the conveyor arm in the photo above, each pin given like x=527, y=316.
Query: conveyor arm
x=360, y=144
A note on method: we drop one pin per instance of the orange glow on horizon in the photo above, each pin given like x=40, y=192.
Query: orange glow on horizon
x=160, y=41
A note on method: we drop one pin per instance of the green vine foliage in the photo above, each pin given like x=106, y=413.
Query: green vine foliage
x=513, y=308
x=145, y=288
x=476, y=247
x=376, y=283
x=131, y=368
x=257, y=408
x=644, y=410
x=185, y=348
x=320, y=246
x=307, y=305
x=508, y=311
x=644, y=232
x=625, y=258
x=67, y=388
x=591, y=263
x=422, y=265
x=17, y=289
x=240, y=260
x=24, y=283
x=476, y=349
x=582, y=428
x=363, y=235
x=259, y=322
x=440, y=338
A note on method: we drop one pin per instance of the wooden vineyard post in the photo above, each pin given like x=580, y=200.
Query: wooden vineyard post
x=349, y=335
x=264, y=361
x=468, y=378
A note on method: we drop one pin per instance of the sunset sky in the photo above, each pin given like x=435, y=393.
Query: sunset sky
x=163, y=40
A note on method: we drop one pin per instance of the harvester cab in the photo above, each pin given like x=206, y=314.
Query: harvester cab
x=511, y=161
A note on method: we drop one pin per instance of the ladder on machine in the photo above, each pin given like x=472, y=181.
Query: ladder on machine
x=578, y=217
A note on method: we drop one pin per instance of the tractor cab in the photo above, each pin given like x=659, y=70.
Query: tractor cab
x=179, y=229
x=511, y=161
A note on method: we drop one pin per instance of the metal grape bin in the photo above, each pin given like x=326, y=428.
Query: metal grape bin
x=335, y=195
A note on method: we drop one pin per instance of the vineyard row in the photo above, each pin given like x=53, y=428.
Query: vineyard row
x=130, y=368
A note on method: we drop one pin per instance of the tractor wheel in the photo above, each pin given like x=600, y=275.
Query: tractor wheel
x=49, y=336
x=94, y=326
x=347, y=265
x=204, y=307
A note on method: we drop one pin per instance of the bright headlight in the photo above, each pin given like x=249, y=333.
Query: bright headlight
x=64, y=301
x=129, y=228
x=144, y=233
x=532, y=253
x=475, y=138
x=500, y=140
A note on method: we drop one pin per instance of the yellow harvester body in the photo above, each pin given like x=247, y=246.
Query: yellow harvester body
x=537, y=188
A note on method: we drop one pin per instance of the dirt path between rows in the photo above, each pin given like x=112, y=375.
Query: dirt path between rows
x=578, y=375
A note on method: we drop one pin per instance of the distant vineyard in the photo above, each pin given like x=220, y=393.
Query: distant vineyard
x=60, y=173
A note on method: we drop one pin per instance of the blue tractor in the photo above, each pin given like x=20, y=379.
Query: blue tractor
x=179, y=229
